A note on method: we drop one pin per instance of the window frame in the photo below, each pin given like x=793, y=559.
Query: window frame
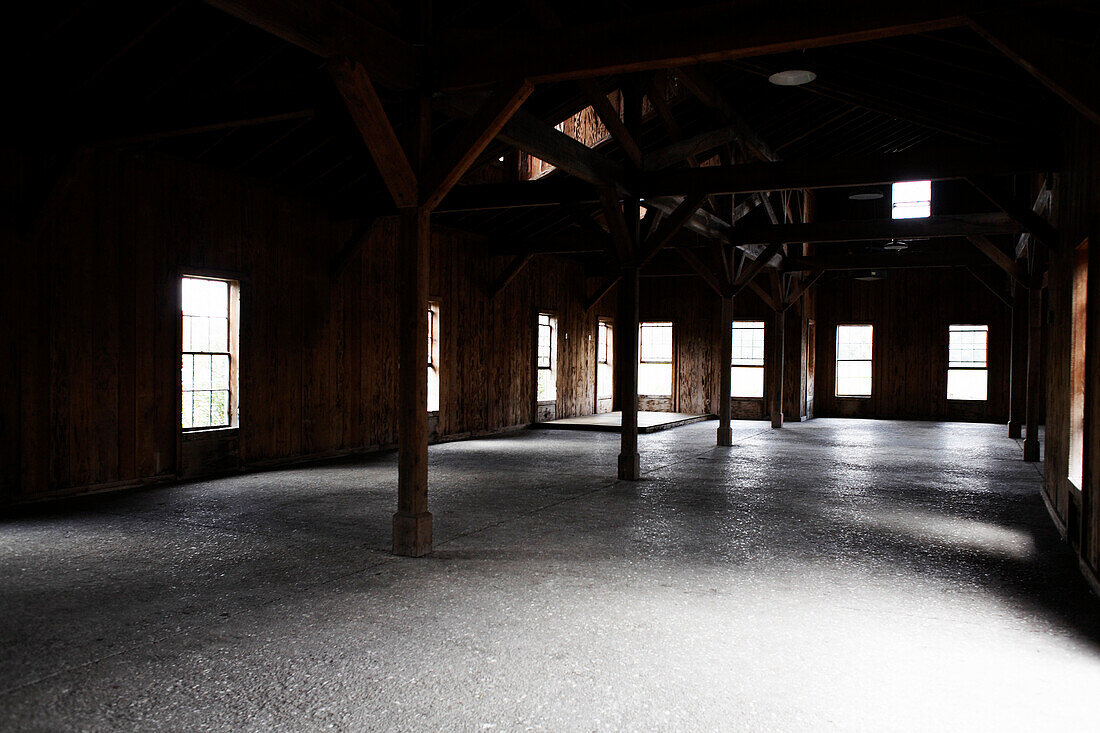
x=233, y=313
x=951, y=367
x=434, y=351
x=837, y=360
x=736, y=363
x=909, y=203
x=552, y=367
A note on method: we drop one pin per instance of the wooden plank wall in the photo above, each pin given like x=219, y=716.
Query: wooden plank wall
x=93, y=347
x=911, y=311
x=1076, y=215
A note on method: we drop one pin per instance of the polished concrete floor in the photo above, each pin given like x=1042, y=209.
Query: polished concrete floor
x=649, y=421
x=833, y=575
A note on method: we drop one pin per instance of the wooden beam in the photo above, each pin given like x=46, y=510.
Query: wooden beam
x=764, y=295
x=877, y=229
x=548, y=19
x=682, y=150
x=685, y=37
x=700, y=267
x=697, y=81
x=478, y=132
x=757, y=265
x=1020, y=37
x=616, y=223
x=1001, y=259
x=601, y=291
x=668, y=228
x=374, y=126
x=802, y=288
x=884, y=261
x=328, y=29
x=909, y=165
x=515, y=267
x=997, y=290
x=1026, y=216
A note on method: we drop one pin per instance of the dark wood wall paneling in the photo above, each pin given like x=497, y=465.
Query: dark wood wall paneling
x=1077, y=216
x=93, y=342
x=911, y=311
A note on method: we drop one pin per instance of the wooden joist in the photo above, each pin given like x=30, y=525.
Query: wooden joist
x=514, y=268
x=366, y=110
x=355, y=243
x=910, y=165
x=1031, y=221
x=877, y=229
x=684, y=37
x=1019, y=37
x=994, y=287
x=701, y=269
x=616, y=223
x=1000, y=258
x=939, y=164
x=330, y=30
x=478, y=132
x=757, y=265
x=669, y=227
x=605, y=287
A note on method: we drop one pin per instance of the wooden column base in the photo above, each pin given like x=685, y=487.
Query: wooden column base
x=725, y=437
x=777, y=419
x=1031, y=450
x=412, y=534
x=1015, y=430
x=630, y=467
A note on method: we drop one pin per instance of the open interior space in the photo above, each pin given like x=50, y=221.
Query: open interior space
x=482, y=364
x=904, y=573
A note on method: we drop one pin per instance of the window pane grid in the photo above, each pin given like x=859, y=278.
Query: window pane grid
x=967, y=349
x=748, y=343
x=854, y=347
x=656, y=343
x=911, y=200
x=205, y=367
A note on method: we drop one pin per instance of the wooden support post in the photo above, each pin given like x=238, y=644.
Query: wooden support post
x=412, y=524
x=1034, y=339
x=626, y=356
x=777, y=359
x=1017, y=392
x=725, y=377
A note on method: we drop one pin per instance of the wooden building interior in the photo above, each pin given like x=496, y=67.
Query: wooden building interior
x=344, y=168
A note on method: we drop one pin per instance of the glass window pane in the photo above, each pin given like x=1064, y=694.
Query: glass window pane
x=655, y=379
x=748, y=343
x=219, y=407
x=202, y=409
x=219, y=372
x=187, y=373
x=967, y=384
x=747, y=381
x=186, y=417
x=202, y=371
x=655, y=342
x=219, y=334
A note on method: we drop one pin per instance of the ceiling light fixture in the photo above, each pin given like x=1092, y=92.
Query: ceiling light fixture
x=896, y=245
x=792, y=77
x=865, y=194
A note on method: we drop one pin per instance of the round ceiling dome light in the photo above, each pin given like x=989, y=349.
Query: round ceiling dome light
x=865, y=194
x=896, y=246
x=792, y=77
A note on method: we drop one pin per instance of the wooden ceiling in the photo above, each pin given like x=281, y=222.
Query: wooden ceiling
x=242, y=85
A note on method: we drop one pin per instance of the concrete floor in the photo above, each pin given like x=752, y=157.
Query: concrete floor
x=836, y=574
x=609, y=422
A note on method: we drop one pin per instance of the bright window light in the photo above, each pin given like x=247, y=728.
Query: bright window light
x=209, y=369
x=433, y=356
x=912, y=200
x=604, y=358
x=967, y=376
x=747, y=368
x=655, y=359
x=547, y=358
x=854, y=346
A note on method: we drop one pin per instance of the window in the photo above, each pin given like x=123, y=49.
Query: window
x=209, y=371
x=966, y=367
x=747, y=369
x=853, y=360
x=604, y=351
x=1077, y=367
x=912, y=200
x=655, y=359
x=433, y=356
x=547, y=358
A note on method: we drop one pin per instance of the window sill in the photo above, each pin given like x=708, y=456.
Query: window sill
x=963, y=399
x=190, y=434
x=852, y=397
